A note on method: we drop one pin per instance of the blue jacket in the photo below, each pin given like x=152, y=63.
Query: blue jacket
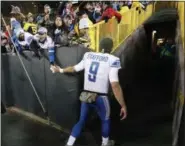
x=18, y=46
x=16, y=25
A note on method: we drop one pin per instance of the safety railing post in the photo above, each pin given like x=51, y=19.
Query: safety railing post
x=119, y=32
x=97, y=37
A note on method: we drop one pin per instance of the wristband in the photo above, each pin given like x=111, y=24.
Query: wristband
x=61, y=70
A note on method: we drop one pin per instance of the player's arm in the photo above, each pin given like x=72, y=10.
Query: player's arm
x=51, y=51
x=118, y=16
x=70, y=69
x=116, y=88
x=118, y=93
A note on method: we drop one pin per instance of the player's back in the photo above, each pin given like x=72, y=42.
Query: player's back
x=97, y=68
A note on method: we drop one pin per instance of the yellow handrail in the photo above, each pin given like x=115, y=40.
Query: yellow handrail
x=181, y=10
x=131, y=19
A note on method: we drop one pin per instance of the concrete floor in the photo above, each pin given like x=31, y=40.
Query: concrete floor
x=20, y=131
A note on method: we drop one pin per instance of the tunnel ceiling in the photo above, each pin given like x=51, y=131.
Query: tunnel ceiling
x=163, y=16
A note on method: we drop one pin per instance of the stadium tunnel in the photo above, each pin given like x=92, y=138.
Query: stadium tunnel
x=147, y=83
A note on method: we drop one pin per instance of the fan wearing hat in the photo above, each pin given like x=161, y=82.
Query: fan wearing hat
x=16, y=12
x=30, y=26
x=45, y=42
x=84, y=24
x=16, y=15
x=22, y=40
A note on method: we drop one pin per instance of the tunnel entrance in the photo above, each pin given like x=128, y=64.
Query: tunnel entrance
x=161, y=38
x=147, y=81
x=150, y=91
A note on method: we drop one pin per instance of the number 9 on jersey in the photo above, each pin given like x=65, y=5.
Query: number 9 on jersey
x=93, y=71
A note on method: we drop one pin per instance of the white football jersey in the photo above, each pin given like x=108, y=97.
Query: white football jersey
x=48, y=43
x=27, y=39
x=100, y=69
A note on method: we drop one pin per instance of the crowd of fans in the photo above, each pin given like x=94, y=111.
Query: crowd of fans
x=50, y=30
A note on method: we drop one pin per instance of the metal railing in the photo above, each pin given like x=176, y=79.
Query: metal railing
x=131, y=20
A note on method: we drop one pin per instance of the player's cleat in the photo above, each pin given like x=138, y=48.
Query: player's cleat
x=110, y=143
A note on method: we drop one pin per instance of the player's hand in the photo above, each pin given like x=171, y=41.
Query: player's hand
x=55, y=69
x=52, y=68
x=123, y=112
